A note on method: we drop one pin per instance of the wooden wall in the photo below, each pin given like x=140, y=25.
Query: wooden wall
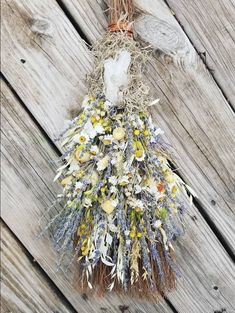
x=45, y=59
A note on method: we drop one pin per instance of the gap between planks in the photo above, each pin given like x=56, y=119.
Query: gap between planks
x=113, y=303
x=57, y=151
x=204, y=60
x=47, y=287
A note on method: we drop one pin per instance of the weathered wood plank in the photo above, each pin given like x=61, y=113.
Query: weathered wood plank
x=193, y=111
x=42, y=53
x=23, y=287
x=205, y=254
x=194, y=114
x=211, y=27
x=27, y=175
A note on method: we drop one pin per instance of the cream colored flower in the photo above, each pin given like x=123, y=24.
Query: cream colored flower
x=169, y=178
x=103, y=163
x=83, y=157
x=124, y=180
x=113, y=180
x=94, y=150
x=107, y=140
x=108, y=206
x=94, y=178
x=67, y=180
x=119, y=133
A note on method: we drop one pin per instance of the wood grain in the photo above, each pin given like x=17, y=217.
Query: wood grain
x=44, y=55
x=211, y=27
x=191, y=120
x=193, y=112
x=24, y=289
x=196, y=117
x=27, y=175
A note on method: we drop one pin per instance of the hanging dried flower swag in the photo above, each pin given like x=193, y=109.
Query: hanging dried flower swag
x=122, y=204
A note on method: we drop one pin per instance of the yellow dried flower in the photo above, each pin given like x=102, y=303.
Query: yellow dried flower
x=67, y=180
x=103, y=189
x=107, y=206
x=139, y=153
x=82, y=139
x=136, y=132
x=119, y=133
x=174, y=189
x=93, y=119
x=132, y=234
x=84, y=158
x=79, y=174
x=83, y=226
x=139, y=234
x=146, y=132
x=94, y=178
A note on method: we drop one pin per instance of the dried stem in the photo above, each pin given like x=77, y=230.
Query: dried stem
x=121, y=10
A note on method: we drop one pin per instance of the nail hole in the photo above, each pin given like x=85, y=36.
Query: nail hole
x=22, y=61
x=194, y=218
x=123, y=308
x=213, y=202
x=84, y=297
x=215, y=287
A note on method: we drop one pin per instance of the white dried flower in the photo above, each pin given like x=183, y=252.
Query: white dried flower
x=138, y=189
x=107, y=139
x=113, y=180
x=78, y=185
x=158, y=131
x=124, y=180
x=157, y=224
x=94, y=150
x=113, y=189
x=81, y=138
x=99, y=129
x=103, y=163
x=87, y=202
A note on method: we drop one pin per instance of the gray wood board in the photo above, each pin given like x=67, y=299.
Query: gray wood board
x=211, y=27
x=24, y=289
x=27, y=184
x=193, y=112
x=28, y=190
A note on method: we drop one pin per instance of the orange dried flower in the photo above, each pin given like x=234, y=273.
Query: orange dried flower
x=160, y=187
